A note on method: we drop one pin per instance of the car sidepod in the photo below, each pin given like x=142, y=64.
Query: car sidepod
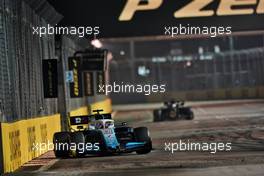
x=111, y=141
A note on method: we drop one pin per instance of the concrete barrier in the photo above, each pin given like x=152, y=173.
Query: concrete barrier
x=80, y=111
x=1, y=152
x=106, y=105
x=19, y=139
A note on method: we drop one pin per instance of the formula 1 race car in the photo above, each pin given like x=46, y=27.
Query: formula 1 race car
x=97, y=134
x=173, y=110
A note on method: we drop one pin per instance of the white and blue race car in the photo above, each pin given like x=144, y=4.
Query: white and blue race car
x=98, y=134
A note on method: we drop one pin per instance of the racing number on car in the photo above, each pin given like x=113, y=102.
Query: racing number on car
x=107, y=131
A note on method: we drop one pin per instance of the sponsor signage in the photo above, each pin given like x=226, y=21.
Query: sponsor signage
x=196, y=8
x=94, y=60
x=76, y=90
x=100, y=82
x=128, y=18
x=78, y=120
x=88, y=83
x=50, y=78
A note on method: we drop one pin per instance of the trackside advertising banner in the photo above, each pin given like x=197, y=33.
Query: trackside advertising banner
x=76, y=89
x=88, y=83
x=150, y=17
x=100, y=81
x=50, y=78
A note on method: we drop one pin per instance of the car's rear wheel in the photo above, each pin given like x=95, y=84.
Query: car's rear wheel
x=142, y=135
x=61, y=141
x=190, y=116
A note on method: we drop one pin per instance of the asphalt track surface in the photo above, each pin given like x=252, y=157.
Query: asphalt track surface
x=242, y=124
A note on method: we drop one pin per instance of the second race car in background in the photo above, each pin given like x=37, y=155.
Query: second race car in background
x=173, y=110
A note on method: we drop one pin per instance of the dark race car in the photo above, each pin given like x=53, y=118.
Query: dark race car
x=173, y=110
x=101, y=136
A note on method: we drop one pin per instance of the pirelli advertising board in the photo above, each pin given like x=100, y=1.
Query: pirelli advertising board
x=131, y=18
x=50, y=78
x=88, y=83
x=76, y=87
x=100, y=82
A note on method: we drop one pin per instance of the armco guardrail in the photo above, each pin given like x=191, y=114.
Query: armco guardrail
x=20, y=138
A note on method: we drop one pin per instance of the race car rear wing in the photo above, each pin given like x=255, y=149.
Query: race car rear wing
x=83, y=120
x=79, y=120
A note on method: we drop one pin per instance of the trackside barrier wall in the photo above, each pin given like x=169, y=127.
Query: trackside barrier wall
x=1, y=152
x=80, y=111
x=106, y=105
x=19, y=139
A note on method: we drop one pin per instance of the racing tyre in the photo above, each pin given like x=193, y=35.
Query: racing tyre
x=190, y=116
x=78, y=139
x=61, y=141
x=142, y=135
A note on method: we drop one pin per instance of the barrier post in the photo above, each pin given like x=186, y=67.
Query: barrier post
x=1, y=152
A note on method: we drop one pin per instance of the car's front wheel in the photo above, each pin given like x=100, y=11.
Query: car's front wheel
x=142, y=135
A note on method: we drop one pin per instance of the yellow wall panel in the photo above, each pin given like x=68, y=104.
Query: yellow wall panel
x=79, y=112
x=19, y=138
x=106, y=105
